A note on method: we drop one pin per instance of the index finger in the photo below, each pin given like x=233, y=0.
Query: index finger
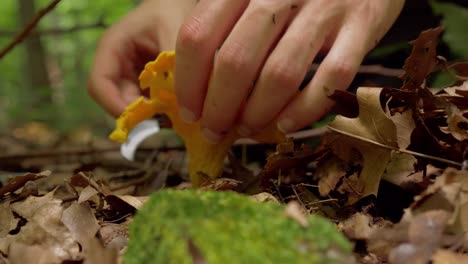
x=199, y=37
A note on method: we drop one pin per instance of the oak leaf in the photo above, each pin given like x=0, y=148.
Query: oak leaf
x=354, y=136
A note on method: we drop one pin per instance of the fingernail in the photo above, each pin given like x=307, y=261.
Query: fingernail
x=244, y=131
x=211, y=136
x=286, y=125
x=187, y=115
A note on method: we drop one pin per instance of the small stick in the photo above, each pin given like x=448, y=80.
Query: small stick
x=395, y=149
x=29, y=27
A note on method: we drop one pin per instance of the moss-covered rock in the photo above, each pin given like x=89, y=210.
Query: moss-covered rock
x=225, y=227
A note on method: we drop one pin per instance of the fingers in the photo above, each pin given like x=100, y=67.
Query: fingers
x=335, y=72
x=120, y=56
x=102, y=85
x=360, y=31
x=238, y=62
x=199, y=37
x=287, y=65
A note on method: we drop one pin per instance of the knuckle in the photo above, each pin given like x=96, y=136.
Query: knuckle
x=284, y=75
x=267, y=7
x=342, y=69
x=192, y=35
x=232, y=58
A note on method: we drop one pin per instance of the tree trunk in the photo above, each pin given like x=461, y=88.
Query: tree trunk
x=35, y=67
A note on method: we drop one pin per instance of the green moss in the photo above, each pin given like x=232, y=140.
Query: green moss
x=225, y=227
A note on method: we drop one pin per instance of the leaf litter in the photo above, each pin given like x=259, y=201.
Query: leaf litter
x=413, y=138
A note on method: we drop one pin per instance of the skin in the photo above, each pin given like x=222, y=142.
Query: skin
x=239, y=63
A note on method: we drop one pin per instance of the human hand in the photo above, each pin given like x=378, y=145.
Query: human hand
x=128, y=45
x=268, y=46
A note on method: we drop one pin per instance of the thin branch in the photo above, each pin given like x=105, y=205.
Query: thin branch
x=58, y=31
x=29, y=27
x=395, y=149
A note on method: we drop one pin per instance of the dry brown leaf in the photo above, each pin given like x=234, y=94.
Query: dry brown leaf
x=135, y=201
x=401, y=169
x=87, y=193
x=358, y=226
x=114, y=235
x=19, y=181
x=94, y=252
x=425, y=234
x=264, y=197
x=81, y=222
x=405, y=125
x=21, y=253
x=353, y=186
x=407, y=253
x=372, y=124
x=450, y=193
x=294, y=211
x=444, y=256
x=44, y=227
x=29, y=207
x=422, y=59
x=7, y=220
x=329, y=173
x=457, y=123
x=453, y=91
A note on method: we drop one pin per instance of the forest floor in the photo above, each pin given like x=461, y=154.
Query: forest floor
x=391, y=172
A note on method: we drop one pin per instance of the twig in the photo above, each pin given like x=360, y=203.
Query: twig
x=323, y=201
x=29, y=27
x=58, y=31
x=79, y=152
x=447, y=67
x=351, y=186
x=307, y=133
x=394, y=148
x=299, y=198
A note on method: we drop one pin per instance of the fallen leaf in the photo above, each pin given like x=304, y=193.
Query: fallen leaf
x=294, y=211
x=353, y=187
x=94, y=252
x=264, y=197
x=401, y=169
x=404, y=124
x=455, y=90
x=87, y=193
x=81, y=222
x=329, y=172
x=220, y=184
x=43, y=228
x=422, y=59
x=114, y=235
x=358, y=226
x=7, y=220
x=457, y=123
x=444, y=256
x=280, y=162
x=134, y=201
x=371, y=124
x=21, y=253
x=19, y=181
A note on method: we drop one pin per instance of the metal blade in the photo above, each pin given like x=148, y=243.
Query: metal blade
x=138, y=134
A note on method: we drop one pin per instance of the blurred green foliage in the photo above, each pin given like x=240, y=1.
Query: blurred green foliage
x=455, y=21
x=69, y=56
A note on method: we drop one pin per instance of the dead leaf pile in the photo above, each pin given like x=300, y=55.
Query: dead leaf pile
x=82, y=221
